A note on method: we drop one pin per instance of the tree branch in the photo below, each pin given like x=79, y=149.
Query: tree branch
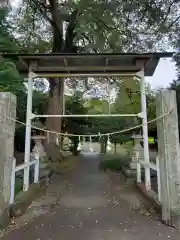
x=90, y=41
x=70, y=33
x=176, y=20
x=42, y=9
x=169, y=10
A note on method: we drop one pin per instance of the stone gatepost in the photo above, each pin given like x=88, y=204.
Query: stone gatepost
x=169, y=156
x=136, y=148
x=7, y=130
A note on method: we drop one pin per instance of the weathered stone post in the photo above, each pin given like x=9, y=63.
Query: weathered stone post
x=169, y=156
x=7, y=130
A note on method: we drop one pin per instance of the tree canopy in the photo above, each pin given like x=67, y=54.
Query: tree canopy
x=98, y=25
x=70, y=26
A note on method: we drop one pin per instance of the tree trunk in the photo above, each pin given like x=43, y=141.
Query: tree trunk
x=115, y=147
x=56, y=85
x=102, y=147
x=55, y=106
x=75, y=146
x=103, y=144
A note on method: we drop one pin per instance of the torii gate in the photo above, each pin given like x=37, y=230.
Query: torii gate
x=67, y=65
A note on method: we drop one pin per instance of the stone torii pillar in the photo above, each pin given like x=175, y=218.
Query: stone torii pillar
x=7, y=130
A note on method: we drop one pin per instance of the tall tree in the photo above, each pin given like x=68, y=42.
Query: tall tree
x=94, y=26
x=75, y=105
x=10, y=81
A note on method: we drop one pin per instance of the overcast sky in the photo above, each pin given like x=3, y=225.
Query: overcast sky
x=165, y=71
x=14, y=3
x=164, y=74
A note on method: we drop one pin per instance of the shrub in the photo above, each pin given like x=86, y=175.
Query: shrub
x=114, y=162
x=18, y=186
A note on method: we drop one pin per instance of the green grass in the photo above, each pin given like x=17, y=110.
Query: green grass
x=114, y=162
x=65, y=166
x=18, y=186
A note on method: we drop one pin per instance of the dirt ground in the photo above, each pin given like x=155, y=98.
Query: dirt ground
x=89, y=205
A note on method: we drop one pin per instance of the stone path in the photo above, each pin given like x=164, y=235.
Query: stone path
x=92, y=209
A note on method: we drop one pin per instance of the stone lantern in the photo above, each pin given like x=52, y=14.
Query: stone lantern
x=137, y=138
x=39, y=137
x=38, y=124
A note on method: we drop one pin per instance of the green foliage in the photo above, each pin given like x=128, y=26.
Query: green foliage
x=106, y=124
x=129, y=92
x=128, y=101
x=97, y=26
x=91, y=26
x=114, y=162
x=120, y=138
x=18, y=186
x=7, y=40
x=10, y=81
x=34, y=38
x=110, y=124
x=75, y=105
x=40, y=102
x=39, y=106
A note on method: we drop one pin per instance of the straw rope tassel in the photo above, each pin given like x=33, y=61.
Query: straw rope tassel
x=90, y=147
x=79, y=144
x=57, y=139
x=48, y=137
x=108, y=145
